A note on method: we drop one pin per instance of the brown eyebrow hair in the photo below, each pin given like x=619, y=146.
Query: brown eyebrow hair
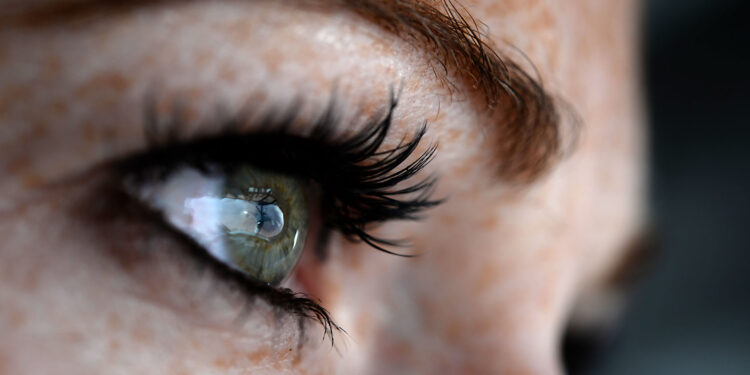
x=527, y=136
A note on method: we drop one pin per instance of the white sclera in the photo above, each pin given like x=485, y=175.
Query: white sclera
x=185, y=201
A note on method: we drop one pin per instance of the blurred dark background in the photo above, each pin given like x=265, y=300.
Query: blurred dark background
x=691, y=313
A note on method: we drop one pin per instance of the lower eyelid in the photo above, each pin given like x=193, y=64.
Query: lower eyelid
x=168, y=270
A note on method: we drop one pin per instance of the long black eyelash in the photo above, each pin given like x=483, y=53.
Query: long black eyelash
x=365, y=190
x=361, y=185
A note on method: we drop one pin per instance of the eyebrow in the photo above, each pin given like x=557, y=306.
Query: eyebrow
x=527, y=136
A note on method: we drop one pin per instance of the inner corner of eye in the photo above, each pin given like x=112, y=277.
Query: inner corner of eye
x=252, y=220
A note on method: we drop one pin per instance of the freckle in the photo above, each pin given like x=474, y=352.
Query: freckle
x=484, y=324
x=297, y=359
x=143, y=334
x=273, y=59
x=543, y=21
x=110, y=132
x=30, y=282
x=128, y=263
x=236, y=30
x=512, y=6
x=413, y=85
x=352, y=260
x=464, y=170
x=488, y=223
x=52, y=66
x=89, y=132
x=487, y=277
x=114, y=345
x=114, y=322
x=258, y=356
x=105, y=81
x=203, y=57
x=447, y=221
x=11, y=95
x=74, y=337
x=371, y=107
x=17, y=318
x=330, y=290
x=18, y=164
x=258, y=97
x=59, y=107
x=194, y=95
x=395, y=350
x=452, y=134
x=227, y=74
x=454, y=330
x=196, y=344
x=223, y=363
x=38, y=129
x=431, y=308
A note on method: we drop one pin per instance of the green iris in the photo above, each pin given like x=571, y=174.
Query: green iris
x=264, y=218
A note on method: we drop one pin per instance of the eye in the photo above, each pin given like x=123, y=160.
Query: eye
x=252, y=220
x=242, y=193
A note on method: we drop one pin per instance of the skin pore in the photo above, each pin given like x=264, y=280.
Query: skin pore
x=503, y=264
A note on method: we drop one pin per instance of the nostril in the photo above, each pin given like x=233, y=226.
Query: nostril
x=593, y=321
x=582, y=349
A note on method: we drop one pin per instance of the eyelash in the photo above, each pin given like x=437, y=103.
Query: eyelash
x=360, y=186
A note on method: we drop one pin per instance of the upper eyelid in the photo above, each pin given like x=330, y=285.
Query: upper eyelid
x=333, y=160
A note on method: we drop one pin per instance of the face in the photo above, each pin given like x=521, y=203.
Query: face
x=113, y=117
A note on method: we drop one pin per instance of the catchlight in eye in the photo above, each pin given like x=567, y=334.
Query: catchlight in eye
x=252, y=220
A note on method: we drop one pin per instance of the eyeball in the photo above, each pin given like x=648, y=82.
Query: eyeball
x=251, y=220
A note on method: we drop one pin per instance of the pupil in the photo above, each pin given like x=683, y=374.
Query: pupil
x=259, y=218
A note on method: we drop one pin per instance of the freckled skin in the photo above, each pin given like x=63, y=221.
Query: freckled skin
x=501, y=266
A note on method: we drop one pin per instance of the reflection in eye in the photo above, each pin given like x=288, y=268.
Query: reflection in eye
x=251, y=220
